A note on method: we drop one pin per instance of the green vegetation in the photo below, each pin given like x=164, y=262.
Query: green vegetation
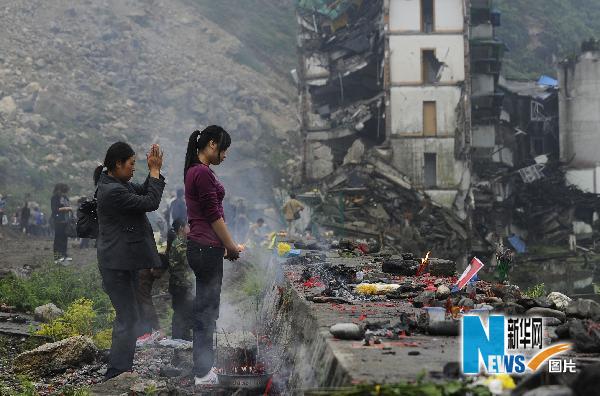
x=536, y=291
x=79, y=319
x=27, y=388
x=267, y=29
x=541, y=32
x=77, y=290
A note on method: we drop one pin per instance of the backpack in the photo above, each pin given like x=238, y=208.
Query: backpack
x=87, y=218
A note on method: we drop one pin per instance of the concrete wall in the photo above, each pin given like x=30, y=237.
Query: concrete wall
x=405, y=53
x=484, y=136
x=449, y=15
x=587, y=180
x=579, y=103
x=407, y=109
x=405, y=15
x=319, y=160
x=482, y=84
x=409, y=159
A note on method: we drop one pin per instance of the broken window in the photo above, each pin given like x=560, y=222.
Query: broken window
x=430, y=67
x=427, y=16
x=429, y=119
x=430, y=171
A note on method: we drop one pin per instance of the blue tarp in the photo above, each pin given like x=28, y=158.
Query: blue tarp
x=517, y=243
x=549, y=81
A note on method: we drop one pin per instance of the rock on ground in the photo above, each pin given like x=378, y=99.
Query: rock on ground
x=559, y=300
x=56, y=357
x=546, y=313
x=550, y=390
x=585, y=309
x=47, y=313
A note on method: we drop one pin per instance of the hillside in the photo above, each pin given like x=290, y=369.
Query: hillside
x=77, y=76
x=541, y=32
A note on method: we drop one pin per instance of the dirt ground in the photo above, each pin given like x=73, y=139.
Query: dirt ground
x=22, y=253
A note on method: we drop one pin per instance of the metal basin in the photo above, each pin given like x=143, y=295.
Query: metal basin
x=254, y=381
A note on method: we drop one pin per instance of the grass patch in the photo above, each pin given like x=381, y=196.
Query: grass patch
x=536, y=291
x=77, y=290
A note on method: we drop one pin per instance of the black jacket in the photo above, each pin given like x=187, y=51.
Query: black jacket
x=125, y=239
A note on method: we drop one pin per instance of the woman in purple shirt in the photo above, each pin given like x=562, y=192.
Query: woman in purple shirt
x=209, y=240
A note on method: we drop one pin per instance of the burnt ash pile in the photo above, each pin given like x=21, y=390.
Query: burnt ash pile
x=374, y=202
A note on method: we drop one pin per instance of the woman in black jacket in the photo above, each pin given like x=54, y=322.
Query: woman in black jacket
x=125, y=241
x=61, y=213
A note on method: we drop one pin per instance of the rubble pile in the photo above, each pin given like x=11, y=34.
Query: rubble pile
x=548, y=210
x=373, y=201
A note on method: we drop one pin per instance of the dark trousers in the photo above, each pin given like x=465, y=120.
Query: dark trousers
x=60, y=240
x=183, y=311
x=120, y=287
x=207, y=264
x=143, y=294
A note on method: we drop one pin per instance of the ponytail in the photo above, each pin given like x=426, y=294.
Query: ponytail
x=97, y=173
x=191, y=154
x=199, y=140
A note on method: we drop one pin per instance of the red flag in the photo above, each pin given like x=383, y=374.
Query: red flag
x=469, y=273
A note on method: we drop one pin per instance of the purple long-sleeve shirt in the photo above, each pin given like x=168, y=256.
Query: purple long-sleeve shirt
x=204, y=200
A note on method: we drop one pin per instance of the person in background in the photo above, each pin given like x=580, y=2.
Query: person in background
x=209, y=241
x=291, y=212
x=177, y=209
x=25, y=216
x=181, y=280
x=61, y=214
x=255, y=234
x=125, y=242
x=38, y=220
x=2, y=207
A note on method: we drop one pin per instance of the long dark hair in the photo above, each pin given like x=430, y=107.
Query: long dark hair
x=198, y=140
x=117, y=152
x=60, y=189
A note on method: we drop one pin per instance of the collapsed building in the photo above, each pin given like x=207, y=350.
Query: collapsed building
x=386, y=76
x=407, y=95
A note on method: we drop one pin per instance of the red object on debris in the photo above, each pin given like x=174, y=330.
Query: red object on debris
x=362, y=317
x=363, y=247
x=268, y=387
x=313, y=282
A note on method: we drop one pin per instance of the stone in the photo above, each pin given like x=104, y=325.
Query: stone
x=444, y=328
x=543, y=302
x=8, y=108
x=116, y=386
x=56, y=357
x=355, y=153
x=559, y=300
x=398, y=266
x=347, y=331
x=584, y=309
x=442, y=292
x=466, y=302
x=550, y=390
x=47, y=313
x=441, y=267
x=585, y=335
x=546, y=313
x=510, y=308
x=170, y=371
x=149, y=387
x=527, y=302
x=552, y=322
x=424, y=298
x=587, y=381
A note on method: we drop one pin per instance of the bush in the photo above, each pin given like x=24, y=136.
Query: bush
x=536, y=291
x=59, y=285
x=78, y=319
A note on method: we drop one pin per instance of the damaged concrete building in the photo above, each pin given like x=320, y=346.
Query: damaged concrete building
x=579, y=79
x=387, y=77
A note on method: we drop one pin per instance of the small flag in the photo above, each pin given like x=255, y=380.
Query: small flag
x=471, y=270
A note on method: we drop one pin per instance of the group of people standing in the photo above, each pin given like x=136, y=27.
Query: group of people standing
x=125, y=243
